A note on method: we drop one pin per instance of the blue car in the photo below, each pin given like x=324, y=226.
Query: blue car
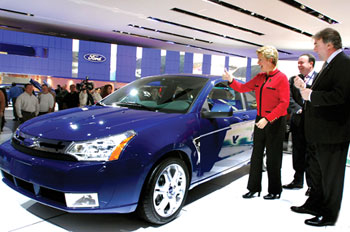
x=139, y=149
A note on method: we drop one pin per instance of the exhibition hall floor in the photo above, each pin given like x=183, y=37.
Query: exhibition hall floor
x=214, y=206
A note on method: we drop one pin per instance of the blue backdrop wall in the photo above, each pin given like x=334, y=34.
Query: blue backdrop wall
x=126, y=63
x=54, y=58
x=57, y=63
x=95, y=70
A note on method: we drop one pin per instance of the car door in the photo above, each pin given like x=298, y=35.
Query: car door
x=225, y=142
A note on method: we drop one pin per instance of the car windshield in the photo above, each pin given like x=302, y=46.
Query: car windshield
x=171, y=94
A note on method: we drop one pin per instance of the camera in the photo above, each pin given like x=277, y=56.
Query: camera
x=85, y=85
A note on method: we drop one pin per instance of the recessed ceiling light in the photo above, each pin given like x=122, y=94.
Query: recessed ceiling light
x=256, y=15
x=310, y=11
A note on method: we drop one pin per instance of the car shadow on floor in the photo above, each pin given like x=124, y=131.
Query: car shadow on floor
x=121, y=222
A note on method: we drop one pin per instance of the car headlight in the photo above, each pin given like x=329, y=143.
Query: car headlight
x=104, y=149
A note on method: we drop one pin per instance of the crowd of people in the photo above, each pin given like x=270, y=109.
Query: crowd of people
x=28, y=104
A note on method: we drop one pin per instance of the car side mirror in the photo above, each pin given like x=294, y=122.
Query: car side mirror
x=218, y=111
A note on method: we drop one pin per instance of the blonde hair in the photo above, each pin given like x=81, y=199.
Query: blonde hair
x=269, y=52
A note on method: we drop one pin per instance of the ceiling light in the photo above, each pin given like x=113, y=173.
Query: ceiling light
x=310, y=11
x=182, y=44
x=168, y=33
x=256, y=15
x=216, y=21
x=16, y=12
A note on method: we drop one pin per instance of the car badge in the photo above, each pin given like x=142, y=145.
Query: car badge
x=31, y=142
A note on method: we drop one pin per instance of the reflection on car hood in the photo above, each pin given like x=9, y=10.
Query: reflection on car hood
x=91, y=122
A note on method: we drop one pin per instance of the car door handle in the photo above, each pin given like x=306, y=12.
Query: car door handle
x=245, y=117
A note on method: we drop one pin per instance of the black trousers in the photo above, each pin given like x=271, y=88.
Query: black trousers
x=14, y=108
x=299, y=152
x=327, y=170
x=26, y=116
x=271, y=138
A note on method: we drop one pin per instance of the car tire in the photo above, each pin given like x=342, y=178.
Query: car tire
x=165, y=191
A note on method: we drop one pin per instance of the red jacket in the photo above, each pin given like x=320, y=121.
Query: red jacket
x=272, y=93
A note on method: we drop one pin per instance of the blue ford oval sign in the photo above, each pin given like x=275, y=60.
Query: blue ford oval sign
x=92, y=57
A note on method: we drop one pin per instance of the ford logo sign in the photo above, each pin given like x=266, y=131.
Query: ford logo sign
x=94, y=57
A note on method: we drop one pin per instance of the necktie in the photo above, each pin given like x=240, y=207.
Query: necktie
x=319, y=74
x=324, y=66
x=309, y=79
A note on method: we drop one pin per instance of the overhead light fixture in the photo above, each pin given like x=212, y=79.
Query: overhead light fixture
x=16, y=12
x=177, y=43
x=211, y=33
x=168, y=33
x=216, y=21
x=310, y=11
x=258, y=16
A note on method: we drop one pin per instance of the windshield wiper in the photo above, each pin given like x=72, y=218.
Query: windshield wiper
x=134, y=105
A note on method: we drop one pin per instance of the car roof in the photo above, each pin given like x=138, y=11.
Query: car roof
x=206, y=76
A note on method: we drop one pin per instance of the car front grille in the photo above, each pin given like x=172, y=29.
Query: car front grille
x=40, y=147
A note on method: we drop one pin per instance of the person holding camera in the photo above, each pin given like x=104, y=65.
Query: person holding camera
x=88, y=96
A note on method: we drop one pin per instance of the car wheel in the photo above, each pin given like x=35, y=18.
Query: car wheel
x=165, y=192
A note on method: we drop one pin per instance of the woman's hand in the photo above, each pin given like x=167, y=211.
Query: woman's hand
x=227, y=77
x=261, y=123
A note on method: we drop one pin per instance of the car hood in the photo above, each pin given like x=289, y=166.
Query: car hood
x=80, y=124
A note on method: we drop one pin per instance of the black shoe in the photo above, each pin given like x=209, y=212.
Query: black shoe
x=250, y=194
x=319, y=221
x=293, y=185
x=303, y=209
x=308, y=191
x=272, y=196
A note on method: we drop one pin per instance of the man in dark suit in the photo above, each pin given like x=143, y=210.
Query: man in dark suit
x=327, y=129
x=306, y=64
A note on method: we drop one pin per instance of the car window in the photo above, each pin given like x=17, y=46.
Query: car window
x=164, y=94
x=225, y=94
x=250, y=100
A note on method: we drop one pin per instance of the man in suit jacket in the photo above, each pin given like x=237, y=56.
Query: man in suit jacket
x=327, y=129
x=306, y=64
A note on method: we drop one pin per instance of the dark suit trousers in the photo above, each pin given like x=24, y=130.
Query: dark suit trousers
x=300, y=158
x=327, y=169
x=271, y=138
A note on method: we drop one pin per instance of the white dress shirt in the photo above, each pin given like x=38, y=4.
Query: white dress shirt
x=309, y=78
x=27, y=102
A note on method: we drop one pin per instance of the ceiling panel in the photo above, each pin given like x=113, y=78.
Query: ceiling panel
x=96, y=20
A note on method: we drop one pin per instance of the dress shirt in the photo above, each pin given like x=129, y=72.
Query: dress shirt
x=27, y=103
x=330, y=58
x=309, y=78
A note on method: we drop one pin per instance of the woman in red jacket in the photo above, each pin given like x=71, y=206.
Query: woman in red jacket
x=272, y=95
